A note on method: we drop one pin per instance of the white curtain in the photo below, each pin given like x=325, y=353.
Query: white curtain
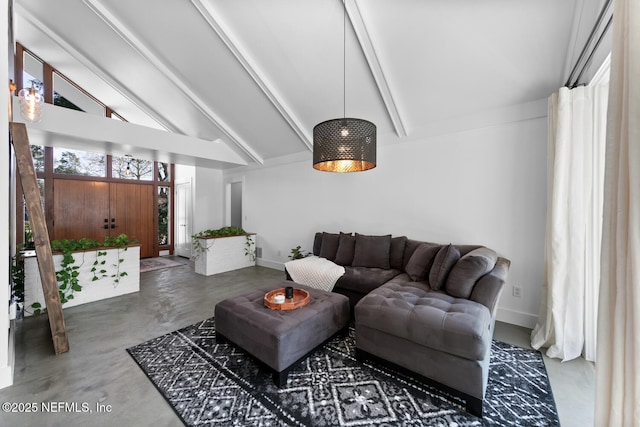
x=575, y=174
x=618, y=366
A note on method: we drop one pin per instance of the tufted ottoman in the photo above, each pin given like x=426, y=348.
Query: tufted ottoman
x=280, y=339
x=440, y=337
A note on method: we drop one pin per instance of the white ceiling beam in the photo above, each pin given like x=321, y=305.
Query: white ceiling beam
x=95, y=69
x=374, y=65
x=243, y=57
x=140, y=47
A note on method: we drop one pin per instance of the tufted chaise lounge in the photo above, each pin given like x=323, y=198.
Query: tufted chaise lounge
x=442, y=337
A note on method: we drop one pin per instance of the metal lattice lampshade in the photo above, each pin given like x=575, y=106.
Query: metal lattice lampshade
x=344, y=145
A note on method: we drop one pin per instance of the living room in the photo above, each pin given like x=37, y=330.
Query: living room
x=462, y=131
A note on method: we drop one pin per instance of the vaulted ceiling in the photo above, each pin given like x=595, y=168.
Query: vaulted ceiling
x=260, y=74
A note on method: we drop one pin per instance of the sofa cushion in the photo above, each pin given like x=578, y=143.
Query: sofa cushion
x=421, y=261
x=365, y=279
x=329, y=245
x=445, y=260
x=432, y=319
x=409, y=249
x=346, y=249
x=466, y=272
x=396, y=252
x=317, y=243
x=372, y=251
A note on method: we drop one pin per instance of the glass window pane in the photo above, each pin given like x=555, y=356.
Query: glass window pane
x=75, y=162
x=128, y=167
x=68, y=96
x=37, y=152
x=163, y=172
x=32, y=73
x=164, y=216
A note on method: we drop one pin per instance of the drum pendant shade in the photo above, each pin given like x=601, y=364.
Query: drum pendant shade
x=344, y=145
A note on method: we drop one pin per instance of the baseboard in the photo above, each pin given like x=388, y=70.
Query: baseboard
x=518, y=318
x=270, y=264
x=6, y=372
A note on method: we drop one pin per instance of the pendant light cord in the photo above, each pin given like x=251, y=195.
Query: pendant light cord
x=344, y=60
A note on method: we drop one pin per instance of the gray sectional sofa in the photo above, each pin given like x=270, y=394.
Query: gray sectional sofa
x=425, y=307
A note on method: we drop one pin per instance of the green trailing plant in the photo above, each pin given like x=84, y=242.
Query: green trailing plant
x=298, y=253
x=250, y=248
x=67, y=275
x=198, y=249
x=17, y=277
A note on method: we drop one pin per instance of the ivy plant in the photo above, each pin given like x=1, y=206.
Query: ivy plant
x=198, y=249
x=67, y=275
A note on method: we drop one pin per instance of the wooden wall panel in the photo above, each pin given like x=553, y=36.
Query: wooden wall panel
x=134, y=214
x=80, y=209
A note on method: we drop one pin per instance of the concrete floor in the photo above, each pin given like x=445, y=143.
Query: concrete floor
x=97, y=371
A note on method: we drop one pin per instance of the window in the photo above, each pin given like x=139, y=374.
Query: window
x=73, y=162
x=128, y=167
x=37, y=152
x=32, y=74
x=163, y=172
x=164, y=216
x=68, y=95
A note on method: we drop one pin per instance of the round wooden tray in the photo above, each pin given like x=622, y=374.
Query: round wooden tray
x=300, y=299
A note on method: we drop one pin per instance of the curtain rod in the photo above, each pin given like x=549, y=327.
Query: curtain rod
x=571, y=83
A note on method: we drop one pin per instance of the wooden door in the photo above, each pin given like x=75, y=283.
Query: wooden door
x=133, y=213
x=80, y=209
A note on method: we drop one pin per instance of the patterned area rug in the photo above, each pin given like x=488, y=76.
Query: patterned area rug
x=217, y=384
x=158, y=263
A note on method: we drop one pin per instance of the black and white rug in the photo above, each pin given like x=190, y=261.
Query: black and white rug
x=211, y=384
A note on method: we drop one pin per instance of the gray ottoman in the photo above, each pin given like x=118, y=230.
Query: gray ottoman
x=281, y=338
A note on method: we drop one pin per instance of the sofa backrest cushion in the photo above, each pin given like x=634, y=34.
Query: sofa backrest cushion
x=421, y=261
x=346, y=249
x=409, y=249
x=468, y=270
x=396, y=253
x=372, y=251
x=317, y=243
x=445, y=259
x=329, y=245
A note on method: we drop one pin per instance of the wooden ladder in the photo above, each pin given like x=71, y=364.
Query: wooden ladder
x=20, y=141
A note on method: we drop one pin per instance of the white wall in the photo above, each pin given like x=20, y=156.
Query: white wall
x=485, y=186
x=6, y=343
x=207, y=198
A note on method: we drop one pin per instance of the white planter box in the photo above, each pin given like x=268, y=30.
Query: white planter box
x=220, y=254
x=91, y=290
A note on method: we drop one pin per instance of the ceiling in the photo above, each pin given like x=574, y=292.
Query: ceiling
x=260, y=74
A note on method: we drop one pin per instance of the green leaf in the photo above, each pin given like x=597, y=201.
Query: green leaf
x=76, y=287
x=36, y=305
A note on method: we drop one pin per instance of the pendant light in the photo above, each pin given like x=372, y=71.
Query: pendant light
x=344, y=144
x=31, y=104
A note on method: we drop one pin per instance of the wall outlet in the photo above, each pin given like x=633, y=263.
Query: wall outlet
x=279, y=254
x=517, y=291
x=258, y=252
